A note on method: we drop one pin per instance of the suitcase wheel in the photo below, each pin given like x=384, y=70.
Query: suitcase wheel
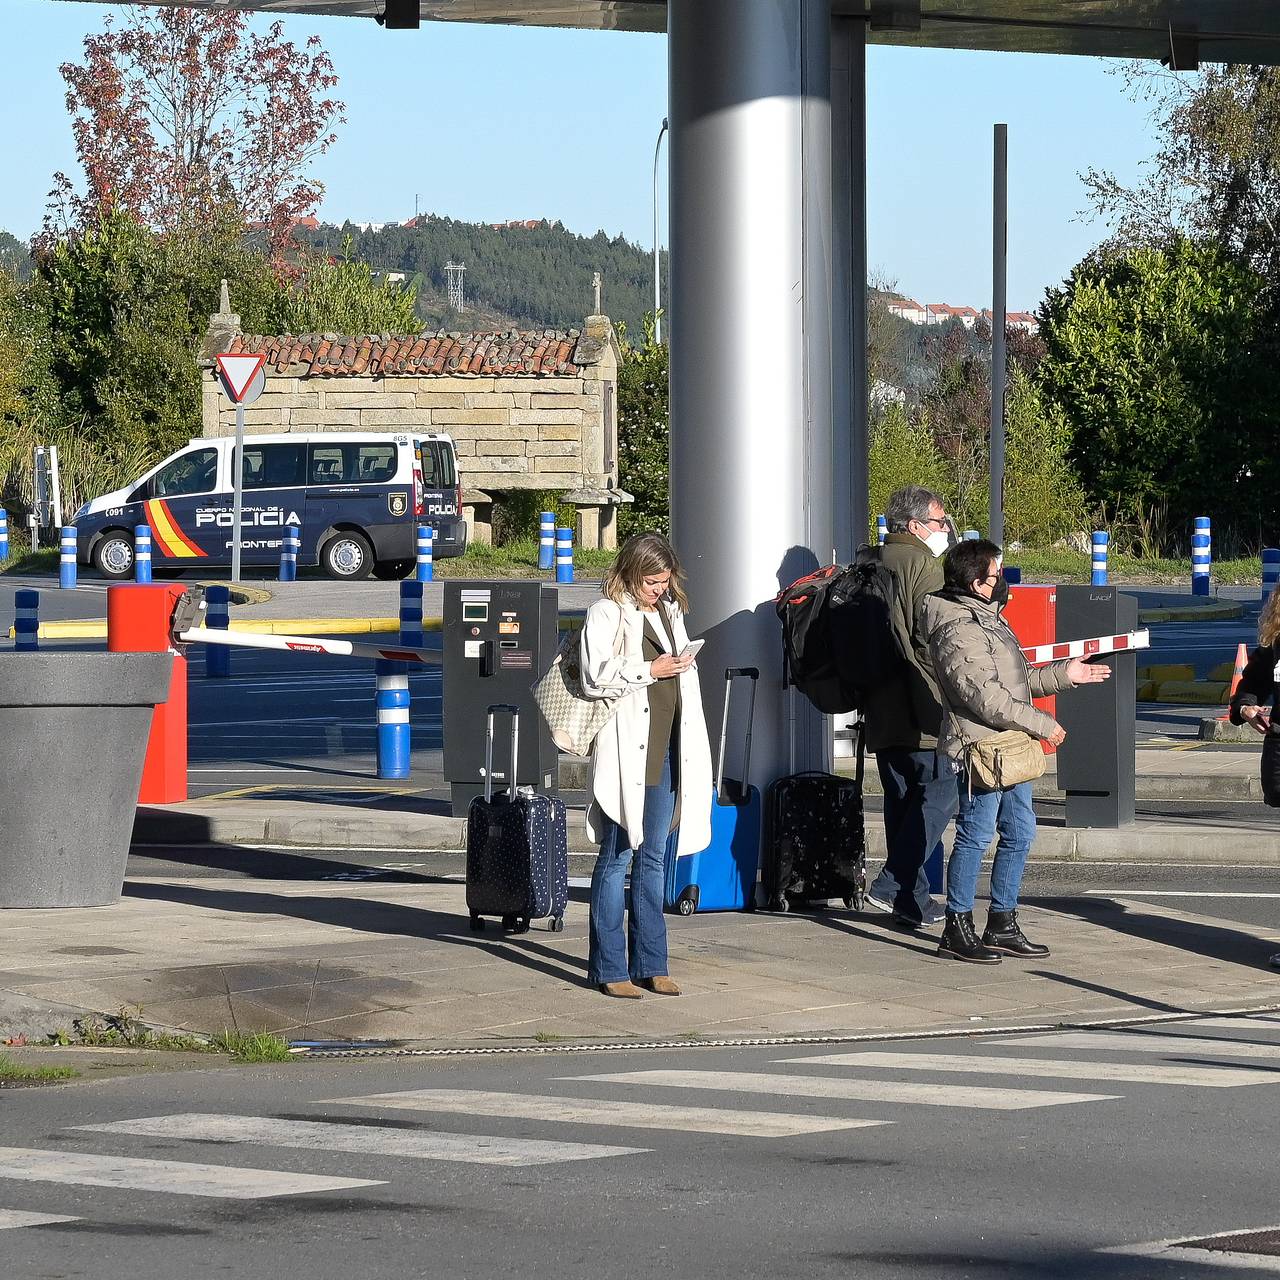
x=781, y=904
x=556, y=924
x=477, y=924
x=687, y=902
x=685, y=907
x=848, y=904
x=509, y=923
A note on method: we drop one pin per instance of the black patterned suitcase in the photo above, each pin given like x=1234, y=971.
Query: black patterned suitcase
x=517, y=848
x=815, y=840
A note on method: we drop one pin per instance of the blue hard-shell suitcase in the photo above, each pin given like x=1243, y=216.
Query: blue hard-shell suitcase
x=517, y=848
x=722, y=877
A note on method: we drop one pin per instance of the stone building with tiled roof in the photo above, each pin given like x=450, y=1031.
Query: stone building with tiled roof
x=526, y=410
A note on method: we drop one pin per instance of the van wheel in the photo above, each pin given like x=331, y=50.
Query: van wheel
x=389, y=570
x=347, y=556
x=113, y=556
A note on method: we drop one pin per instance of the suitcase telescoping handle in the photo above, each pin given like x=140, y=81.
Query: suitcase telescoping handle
x=514, y=713
x=739, y=796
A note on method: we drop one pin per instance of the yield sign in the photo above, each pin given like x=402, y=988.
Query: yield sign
x=238, y=373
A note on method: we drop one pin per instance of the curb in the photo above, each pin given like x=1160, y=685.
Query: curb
x=446, y=837
x=1218, y=611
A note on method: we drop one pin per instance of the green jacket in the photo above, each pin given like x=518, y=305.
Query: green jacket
x=907, y=713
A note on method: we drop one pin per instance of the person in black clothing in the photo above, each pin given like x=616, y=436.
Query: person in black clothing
x=1258, y=687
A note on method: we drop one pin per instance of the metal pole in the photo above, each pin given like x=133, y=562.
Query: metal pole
x=999, y=270
x=657, y=275
x=55, y=481
x=237, y=480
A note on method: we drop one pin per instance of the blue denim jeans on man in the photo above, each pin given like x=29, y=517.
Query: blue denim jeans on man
x=983, y=816
x=645, y=937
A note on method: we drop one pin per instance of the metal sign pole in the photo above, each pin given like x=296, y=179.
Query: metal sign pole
x=999, y=272
x=237, y=466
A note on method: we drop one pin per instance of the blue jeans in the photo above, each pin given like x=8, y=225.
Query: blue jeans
x=919, y=801
x=646, y=932
x=984, y=815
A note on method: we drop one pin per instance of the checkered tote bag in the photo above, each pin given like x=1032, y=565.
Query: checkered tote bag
x=573, y=718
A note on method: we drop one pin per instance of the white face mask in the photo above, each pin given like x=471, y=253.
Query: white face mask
x=939, y=541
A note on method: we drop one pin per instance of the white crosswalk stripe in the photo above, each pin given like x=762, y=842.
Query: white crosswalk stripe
x=315, y=1135
x=861, y=1089
x=1150, y=1042
x=12, y=1218
x=1052, y=1068
x=600, y=1111
x=174, y=1176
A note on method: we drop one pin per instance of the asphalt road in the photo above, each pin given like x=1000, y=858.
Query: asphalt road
x=981, y=1158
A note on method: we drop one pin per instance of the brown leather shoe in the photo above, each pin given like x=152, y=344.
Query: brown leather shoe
x=661, y=985
x=622, y=990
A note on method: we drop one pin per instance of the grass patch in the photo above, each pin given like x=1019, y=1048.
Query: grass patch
x=12, y=1072
x=1063, y=566
x=519, y=560
x=124, y=1031
x=23, y=560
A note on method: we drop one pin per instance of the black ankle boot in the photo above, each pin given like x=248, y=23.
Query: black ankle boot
x=1004, y=935
x=960, y=942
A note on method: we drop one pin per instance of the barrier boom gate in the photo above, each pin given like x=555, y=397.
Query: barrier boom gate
x=309, y=644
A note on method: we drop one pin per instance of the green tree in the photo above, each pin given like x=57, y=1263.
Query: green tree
x=341, y=295
x=1043, y=498
x=902, y=452
x=1153, y=358
x=644, y=434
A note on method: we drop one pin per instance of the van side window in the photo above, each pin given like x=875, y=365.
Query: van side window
x=274, y=466
x=352, y=463
x=194, y=472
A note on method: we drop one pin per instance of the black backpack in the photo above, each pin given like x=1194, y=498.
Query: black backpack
x=838, y=637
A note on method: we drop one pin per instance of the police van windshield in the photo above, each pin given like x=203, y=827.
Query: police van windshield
x=352, y=463
x=194, y=472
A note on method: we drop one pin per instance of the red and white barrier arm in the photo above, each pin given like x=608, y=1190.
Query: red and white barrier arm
x=310, y=644
x=1040, y=654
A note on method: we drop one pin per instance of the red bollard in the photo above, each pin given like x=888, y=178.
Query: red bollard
x=138, y=622
x=1032, y=612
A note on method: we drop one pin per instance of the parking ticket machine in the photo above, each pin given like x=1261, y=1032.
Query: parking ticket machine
x=499, y=637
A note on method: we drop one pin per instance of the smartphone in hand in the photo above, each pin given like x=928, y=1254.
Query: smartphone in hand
x=692, y=649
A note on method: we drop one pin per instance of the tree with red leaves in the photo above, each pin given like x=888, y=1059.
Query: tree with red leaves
x=186, y=119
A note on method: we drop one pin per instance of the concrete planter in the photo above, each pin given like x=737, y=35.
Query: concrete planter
x=73, y=735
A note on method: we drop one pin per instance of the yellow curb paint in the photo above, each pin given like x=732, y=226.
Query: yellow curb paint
x=1200, y=693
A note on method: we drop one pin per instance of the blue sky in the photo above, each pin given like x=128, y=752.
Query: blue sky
x=492, y=123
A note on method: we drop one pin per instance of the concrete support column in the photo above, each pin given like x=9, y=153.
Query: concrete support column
x=751, y=448
x=849, y=283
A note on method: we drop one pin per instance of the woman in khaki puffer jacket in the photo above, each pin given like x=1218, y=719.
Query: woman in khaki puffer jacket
x=987, y=687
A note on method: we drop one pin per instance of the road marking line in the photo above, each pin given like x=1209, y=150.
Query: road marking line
x=175, y=1176
x=627, y=1115
x=11, y=1218
x=1250, y=1022
x=1173, y=893
x=315, y=1135
x=783, y=1086
x=1127, y=1072
x=1148, y=1042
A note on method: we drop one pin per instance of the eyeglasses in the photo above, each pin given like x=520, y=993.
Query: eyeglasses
x=940, y=521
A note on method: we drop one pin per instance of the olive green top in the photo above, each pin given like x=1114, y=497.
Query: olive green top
x=664, y=700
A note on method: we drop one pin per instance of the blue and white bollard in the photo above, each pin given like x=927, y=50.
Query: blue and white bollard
x=67, y=558
x=392, y=704
x=564, y=555
x=547, y=540
x=289, y=553
x=882, y=529
x=4, y=535
x=411, y=635
x=426, y=552
x=26, y=621
x=1270, y=571
x=217, y=617
x=1098, y=571
x=1201, y=554
x=142, y=553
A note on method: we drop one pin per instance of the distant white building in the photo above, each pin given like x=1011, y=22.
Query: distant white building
x=907, y=308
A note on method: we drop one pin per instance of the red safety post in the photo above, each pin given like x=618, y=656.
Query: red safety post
x=138, y=617
x=1032, y=612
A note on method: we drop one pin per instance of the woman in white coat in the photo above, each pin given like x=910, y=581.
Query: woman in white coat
x=650, y=765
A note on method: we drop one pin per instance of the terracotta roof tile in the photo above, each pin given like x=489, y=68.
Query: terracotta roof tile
x=517, y=353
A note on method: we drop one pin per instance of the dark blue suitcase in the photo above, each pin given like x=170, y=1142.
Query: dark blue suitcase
x=722, y=877
x=517, y=848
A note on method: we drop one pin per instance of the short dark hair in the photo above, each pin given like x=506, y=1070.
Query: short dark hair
x=969, y=562
x=912, y=502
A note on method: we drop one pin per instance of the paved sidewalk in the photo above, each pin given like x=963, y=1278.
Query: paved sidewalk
x=399, y=961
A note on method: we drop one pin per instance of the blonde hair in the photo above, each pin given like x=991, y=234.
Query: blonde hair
x=1269, y=622
x=645, y=556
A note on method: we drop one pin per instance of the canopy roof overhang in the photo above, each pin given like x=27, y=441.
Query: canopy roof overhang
x=1210, y=30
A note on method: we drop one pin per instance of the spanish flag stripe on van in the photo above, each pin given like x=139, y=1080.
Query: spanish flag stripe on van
x=168, y=533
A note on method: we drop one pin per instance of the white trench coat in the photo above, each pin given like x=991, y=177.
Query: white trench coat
x=613, y=665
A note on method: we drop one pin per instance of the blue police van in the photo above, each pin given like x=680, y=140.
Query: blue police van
x=357, y=498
